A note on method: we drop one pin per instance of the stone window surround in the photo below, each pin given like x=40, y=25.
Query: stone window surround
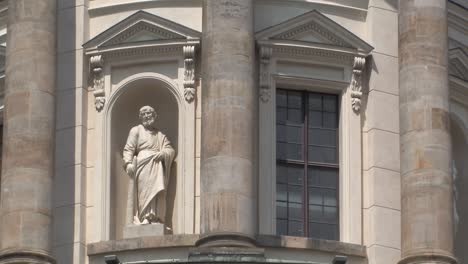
x=350, y=176
x=312, y=52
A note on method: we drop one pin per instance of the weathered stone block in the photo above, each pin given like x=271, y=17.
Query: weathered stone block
x=135, y=231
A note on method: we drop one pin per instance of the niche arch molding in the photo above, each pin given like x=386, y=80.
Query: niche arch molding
x=141, y=47
x=183, y=206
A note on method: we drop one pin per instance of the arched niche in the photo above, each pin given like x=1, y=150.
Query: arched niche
x=130, y=95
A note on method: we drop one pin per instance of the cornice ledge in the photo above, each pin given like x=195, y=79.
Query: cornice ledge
x=144, y=48
x=310, y=50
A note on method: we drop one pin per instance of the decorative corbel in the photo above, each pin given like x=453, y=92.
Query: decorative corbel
x=96, y=65
x=356, y=83
x=189, y=67
x=265, y=80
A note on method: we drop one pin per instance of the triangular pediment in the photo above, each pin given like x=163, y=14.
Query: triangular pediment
x=314, y=27
x=458, y=63
x=142, y=27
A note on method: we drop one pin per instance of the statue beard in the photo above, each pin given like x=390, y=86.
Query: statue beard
x=148, y=123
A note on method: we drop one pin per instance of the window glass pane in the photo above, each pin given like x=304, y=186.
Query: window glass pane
x=295, y=175
x=294, y=152
x=294, y=134
x=295, y=116
x=281, y=115
x=281, y=173
x=323, y=231
x=294, y=100
x=329, y=177
x=315, y=213
x=281, y=98
x=282, y=210
x=329, y=103
x=281, y=133
x=323, y=137
x=281, y=151
x=315, y=196
x=295, y=211
x=295, y=194
x=330, y=214
x=329, y=120
x=282, y=227
x=322, y=154
x=295, y=228
x=314, y=230
x=281, y=192
x=313, y=176
x=315, y=102
x=329, y=197
x=322, y=177
x=315, y=119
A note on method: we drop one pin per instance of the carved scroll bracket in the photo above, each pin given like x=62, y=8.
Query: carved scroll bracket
x=96, y=67
x=189, y=73
x=265, y=78
x=356, y=83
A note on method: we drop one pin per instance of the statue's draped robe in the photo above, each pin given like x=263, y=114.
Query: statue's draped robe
x=151, y=176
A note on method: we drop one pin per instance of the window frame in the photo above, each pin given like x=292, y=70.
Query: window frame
x=306, y=163
x=350, y=141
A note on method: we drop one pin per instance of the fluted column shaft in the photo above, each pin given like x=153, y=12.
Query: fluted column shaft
x=426, y=184
x=29, y=125
x=228, y=181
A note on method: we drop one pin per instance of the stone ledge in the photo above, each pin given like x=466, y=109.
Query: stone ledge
x=335, y=247
x=166, y=241
x=262, y=241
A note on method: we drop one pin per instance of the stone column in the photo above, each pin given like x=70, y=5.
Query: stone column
x=29, y=124
x=228, y=179
x=426, y=185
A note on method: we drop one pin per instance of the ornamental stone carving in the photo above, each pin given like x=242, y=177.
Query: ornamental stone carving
x=356, y=83
x=189, y=73
x=265, y=79
x=147, y=157
x=96, y=65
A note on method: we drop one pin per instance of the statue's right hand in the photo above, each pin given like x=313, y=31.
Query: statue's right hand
x=130, y=170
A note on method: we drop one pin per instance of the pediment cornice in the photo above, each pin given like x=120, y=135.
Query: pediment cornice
x=142, y=30
x=312, y=36
x=314, y=29
x=139, y=36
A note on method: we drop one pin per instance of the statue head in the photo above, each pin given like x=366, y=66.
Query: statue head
x=147, y=116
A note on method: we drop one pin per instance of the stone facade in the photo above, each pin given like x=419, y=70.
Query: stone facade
x=74, y=73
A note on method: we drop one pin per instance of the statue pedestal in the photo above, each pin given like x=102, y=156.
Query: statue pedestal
x=133, y=231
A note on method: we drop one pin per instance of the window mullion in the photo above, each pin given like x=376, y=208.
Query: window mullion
x=306, y=158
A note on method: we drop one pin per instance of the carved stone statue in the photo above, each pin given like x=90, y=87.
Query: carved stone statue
x=148, y=157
